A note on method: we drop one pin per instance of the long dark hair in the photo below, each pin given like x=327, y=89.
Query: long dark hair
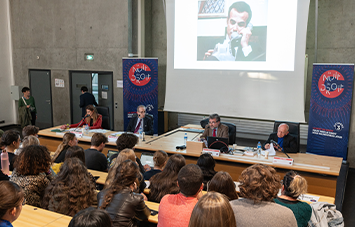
x=71, y=191
x=223, y=183
x=206, y=164
x=127, y=173
x=11, y=195
x=166, y=182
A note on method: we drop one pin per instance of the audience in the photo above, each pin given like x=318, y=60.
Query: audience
x=12, y=199
x=91, y=217
x=213, y=209
x=259, y=185
x=10, y=141
x=30, y=130
x=223, y=183
x=293, y=185
x=126, y=140
x=175, y=210
x=124, y=206
x=27, y=141
x=32, y=173
x=207, y=164
x=69, y=139
x=122, y=156
x=94, y=159
x=160, y=158
x=71, y=191
x=165, y=182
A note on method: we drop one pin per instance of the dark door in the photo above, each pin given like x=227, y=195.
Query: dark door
x=105, y=93
x=40, y=85
x=77, y=80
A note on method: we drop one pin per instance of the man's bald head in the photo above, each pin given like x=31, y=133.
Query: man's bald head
x=282, y=130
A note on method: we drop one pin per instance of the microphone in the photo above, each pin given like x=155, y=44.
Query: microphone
x=274, y=142
x=87, y=115
x=82, y=120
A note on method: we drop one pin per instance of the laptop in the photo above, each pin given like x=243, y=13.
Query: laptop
x=217, y=142
x=147, y=159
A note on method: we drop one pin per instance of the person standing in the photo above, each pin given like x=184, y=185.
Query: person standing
x=86, y=99
x=27, y=108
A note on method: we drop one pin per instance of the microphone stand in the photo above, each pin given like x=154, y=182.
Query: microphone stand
x=81, y=122
x=274, y=142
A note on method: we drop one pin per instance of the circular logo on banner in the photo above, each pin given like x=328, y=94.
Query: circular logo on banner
x=140, y=74
x=331, y=84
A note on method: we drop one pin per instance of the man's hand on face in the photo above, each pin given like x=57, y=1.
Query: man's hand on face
x=246, y=32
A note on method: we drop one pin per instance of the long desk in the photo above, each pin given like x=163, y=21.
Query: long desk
x=321, y=172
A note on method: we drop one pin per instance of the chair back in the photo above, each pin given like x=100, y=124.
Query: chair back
x=104, y=111
x=294, y=130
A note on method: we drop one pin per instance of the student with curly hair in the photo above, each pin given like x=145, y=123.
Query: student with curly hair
x=122, y=156
x=212, y=209
x=160, y=158
x=69, y=139
x=30, y=130
x=71, y=191
x=10, y=140
x=124, y=206
x=259, y=185
x=223, y=183
x=32, y=173
x=12, y=199
x=165, y=182
x=207, y=164
x=124, y=141
x=293, y=185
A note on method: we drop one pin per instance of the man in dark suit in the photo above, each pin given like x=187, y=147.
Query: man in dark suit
x=287, y=142
x=215, y=128
x=86, y=99
x=141, y=121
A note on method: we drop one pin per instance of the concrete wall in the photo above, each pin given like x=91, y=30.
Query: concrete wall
x=60, y=32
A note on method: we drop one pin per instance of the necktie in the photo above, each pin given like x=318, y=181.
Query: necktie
x=214, y=132
x=138, y=126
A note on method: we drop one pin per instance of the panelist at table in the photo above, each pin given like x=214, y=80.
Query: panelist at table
x=92, y=119
x=286, y=142
x=141, y=121
x=215, y=128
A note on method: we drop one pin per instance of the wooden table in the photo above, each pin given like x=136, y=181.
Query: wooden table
x=321, y=172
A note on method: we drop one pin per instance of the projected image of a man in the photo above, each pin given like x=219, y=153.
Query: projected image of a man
x=237, y=46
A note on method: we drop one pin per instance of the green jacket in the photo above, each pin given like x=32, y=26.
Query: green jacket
x=24, y=116
x=30, y=101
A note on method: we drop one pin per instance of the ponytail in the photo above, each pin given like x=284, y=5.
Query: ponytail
x=294, y=185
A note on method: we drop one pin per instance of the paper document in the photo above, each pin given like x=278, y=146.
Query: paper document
x=271, y=150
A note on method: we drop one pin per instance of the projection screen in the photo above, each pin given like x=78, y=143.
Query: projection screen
x=241, y=59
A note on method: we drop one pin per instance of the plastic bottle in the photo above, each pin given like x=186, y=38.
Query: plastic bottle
x=258, y=149
x=140, y=132
x=5, y=162
x=86, y=129
x=185, y=138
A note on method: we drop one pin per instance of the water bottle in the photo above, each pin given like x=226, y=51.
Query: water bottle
x=258, y=149
x=140, y=132
x=86, y=129
x=185, y=138
x=5, y=162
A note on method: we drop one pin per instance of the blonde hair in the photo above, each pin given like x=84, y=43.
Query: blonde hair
x=294, y=184
x=124, y=155
x=30, y=140
x=212, y=209
x=160, y=157
x=65, y=144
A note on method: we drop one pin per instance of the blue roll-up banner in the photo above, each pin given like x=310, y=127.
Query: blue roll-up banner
x=140, y=87
x=330, y=110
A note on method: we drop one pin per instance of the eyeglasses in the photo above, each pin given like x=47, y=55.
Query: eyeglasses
x=212, y=122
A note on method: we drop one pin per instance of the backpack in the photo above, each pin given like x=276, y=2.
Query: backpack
x=325, y=215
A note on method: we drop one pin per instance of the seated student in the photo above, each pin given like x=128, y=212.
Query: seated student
x=30, y=130
x=32, y=173
x=71, y=191
x=27, y=141
x=259, y=185
x=69, y=139
x=293, y=185
x=212, y=209
x=160, y=158
x=122, y=156
x=93, y=119
x=124, y=141
x=91, y=217
x=10, y=140
x=175, y=210
x=223, y=183
x=165, y=182
x=287, y=142
x=215, y=128
x=124, y=206
x=94, y=159
x=207, y=164
x=12, y=199
x=141, y=121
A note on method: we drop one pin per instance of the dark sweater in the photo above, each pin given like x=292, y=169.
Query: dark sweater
x=301, y=210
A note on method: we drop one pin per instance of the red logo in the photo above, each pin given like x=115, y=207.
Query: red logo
x=331, y=84
x=139, y=74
